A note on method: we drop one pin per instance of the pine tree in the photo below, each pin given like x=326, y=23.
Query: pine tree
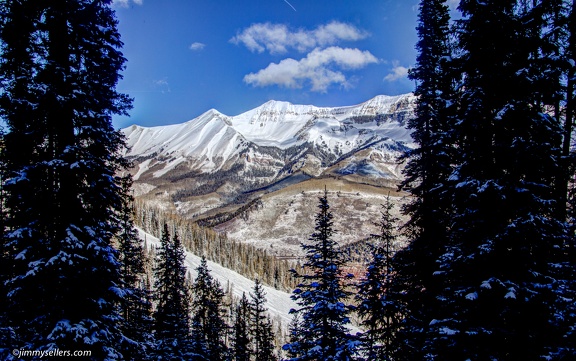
x=430, y=164
x=568, y=271
x=208, y=325
x=59, y=67
x=267, y=342
x=240, y=343
x=322, y=297
x=172, y=315
x=427, y=172
x=496, y=266
x=136, y=307
x=6, y=332
x=379, y=312
x=260, y=325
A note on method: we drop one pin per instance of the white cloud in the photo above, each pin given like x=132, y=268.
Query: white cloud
x=321, y=68
x=197, y=46
x=277, y=38
x=162, y=85
x=126, y=3
x=398, y=72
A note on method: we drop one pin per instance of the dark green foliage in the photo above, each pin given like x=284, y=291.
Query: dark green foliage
x=136, y=307
x=240, y=343
x=5, y=331
x=321, y=333
x=488, y=240
x=427, y=173
x=171, y=318
x=260, y=325
x=59, y=67
x=496, y=266
x=208, y=325
x=245, y=259
x=295, y=338
x=379, y=311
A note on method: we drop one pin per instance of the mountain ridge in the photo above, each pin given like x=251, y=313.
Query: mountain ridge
x=212, y=139
x=215, y=165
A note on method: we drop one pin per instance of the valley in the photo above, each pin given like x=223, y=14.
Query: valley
x=256, y=176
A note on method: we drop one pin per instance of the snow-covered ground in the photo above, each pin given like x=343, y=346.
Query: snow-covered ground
x=278, y=303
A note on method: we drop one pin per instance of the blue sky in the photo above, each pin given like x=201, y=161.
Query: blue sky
x=188, y=56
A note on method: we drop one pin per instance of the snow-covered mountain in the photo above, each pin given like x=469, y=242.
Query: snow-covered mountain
x=216, y=168
x=278, y=136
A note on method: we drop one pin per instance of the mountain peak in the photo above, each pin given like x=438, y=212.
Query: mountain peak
x=274, y=103
x=279, y=124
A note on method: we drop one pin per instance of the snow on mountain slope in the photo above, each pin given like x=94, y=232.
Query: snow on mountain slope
x=214, y=141
x=215, y=163
x=281, y=123
x=202, y=141
x=278, y=303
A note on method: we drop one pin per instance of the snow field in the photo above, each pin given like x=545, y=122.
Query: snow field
x=278, y=302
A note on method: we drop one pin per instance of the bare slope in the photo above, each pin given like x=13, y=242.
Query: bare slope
x=284, y=218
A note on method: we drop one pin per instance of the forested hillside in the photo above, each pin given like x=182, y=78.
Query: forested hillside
x=245, y=259
x=482, y=265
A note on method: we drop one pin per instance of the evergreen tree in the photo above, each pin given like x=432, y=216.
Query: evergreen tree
x=240, y=343
x=295, y=337
x=498, y=259
x=59, y=67
x=379, y=312
x=321, y=297
x=208, y=325
x=136, y=306
x=172, y=315
x=6, y=335
x=267, y=342
x=570, y=276
x=260, y=325
x=427, y=172
x=430, y=164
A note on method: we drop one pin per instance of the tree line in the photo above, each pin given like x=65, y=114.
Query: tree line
x=167, y=315
x=245, y=259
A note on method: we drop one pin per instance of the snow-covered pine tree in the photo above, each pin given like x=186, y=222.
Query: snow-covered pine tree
x=267, y=341
x=208, y=326
x=136, y=307
x=380, y=313
x=322, y=297
x=553, y=24
x=240, y=340
x=427, y=172
x=500, y=288
x=172, y=314
x=570, y=268
x=557, y=74
x=260, y=325
x=5, y=330
x=430, y=164
x=59, y=67
x=295, y=337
